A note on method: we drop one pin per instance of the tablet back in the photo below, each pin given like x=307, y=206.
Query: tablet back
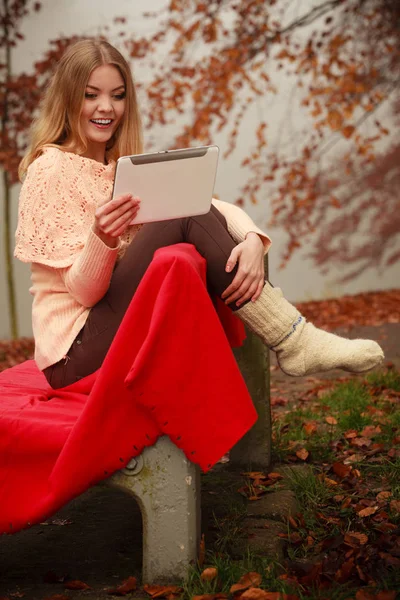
x=171, y=184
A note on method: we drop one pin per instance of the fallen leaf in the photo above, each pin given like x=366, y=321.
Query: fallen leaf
x=386, y=595
x=383, y=496
x=395, y=506
x=162, y=591
x=364, y=595
x=310, y=428
x=209, y=574
x=355, y=539
x=127, y=586
x=371, y=430
x=252, y=579
x=366, y=512
x=76, y=585
x=331, y=420
x=275, y=476
x=258, y=594
x=210, y=597
x=341, y=470
x=303, y=454
x=351, y=433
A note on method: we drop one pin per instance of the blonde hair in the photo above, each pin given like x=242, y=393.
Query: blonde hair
x=58, y=121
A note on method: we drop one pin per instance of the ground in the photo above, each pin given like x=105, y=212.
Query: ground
x=96, y=539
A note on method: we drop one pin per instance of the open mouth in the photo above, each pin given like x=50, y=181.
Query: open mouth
x=101, y=123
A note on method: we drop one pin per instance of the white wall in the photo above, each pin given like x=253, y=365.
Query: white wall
x=299, y=280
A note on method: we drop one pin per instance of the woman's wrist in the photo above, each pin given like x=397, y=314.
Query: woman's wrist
x=108, y=240
x=252, y=235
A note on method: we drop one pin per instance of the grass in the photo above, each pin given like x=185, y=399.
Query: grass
x=335, y=547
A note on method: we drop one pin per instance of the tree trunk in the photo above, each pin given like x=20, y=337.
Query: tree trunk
x=8, y=255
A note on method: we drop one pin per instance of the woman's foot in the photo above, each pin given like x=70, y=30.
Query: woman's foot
x=301, y=348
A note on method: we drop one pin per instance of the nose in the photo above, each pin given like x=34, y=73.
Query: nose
x=105, y=104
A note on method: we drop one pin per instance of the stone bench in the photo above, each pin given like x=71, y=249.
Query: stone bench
x=166, y=485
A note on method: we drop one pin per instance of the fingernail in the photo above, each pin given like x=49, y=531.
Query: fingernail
x=228, y=268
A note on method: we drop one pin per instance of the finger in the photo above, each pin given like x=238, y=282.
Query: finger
x=240, y=290
x=107, y=220
x=248, y=294
x=232, y=260
x=116, y=203
x=122, y=221
x=232, y=287
x=259, y=290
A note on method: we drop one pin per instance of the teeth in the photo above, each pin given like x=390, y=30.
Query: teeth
x=102, y=121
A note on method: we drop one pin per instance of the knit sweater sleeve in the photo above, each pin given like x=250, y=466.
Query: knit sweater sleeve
x=239, y=223
x=88, y=278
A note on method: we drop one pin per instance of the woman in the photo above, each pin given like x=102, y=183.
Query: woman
x=87, y=259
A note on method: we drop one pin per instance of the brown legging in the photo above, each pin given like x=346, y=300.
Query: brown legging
x=208, y=233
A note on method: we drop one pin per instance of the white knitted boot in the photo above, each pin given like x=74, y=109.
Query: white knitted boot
x=301, y=348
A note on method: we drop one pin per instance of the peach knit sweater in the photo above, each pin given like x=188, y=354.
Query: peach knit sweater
x=71, y=267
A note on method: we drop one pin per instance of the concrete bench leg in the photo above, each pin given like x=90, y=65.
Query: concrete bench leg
x=166, y=486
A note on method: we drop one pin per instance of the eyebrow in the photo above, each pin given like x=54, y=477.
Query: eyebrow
x=97, y=89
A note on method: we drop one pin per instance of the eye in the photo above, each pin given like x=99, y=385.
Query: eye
x=90, y=96
x=120, y=96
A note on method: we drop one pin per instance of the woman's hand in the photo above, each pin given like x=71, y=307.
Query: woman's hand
x=113, y=217
x=249, y=279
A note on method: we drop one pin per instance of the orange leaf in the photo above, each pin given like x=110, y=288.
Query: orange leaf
x=127, y=586
x=383, y=495
x=386, y=595
x=366, y=512
x=310, y=427
x=395, y=506
x=303, y=454
x=355, y=539
x=334, y=119
x=76, y=585
x=275, y=476
x=217, y=596
x=258, y=594
x=348, y=131
x=331, y=420
x=251, y=579
x=209, y=574
x=341, y=470
x=364, y=595
x=161, y=591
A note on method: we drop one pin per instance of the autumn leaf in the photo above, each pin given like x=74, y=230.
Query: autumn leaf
x=76, y=585
x=348, y=131
x=367, y=512
x=303, y=454
x=127, y=586
x=341, y=470
x=395, y=506
x=386, y=595
x=209, y=574
x=383, y=496
x=334, y=119
x=364, y=595
x=331, y=420
x=355, y=539
x=251, y=579
x=162, y=591
x=218, y=596
x=258, y=594
x=310, y=427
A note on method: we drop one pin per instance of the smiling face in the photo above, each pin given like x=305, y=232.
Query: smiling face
x=103, y=109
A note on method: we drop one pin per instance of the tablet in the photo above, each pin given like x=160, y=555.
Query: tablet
x=171, y=184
